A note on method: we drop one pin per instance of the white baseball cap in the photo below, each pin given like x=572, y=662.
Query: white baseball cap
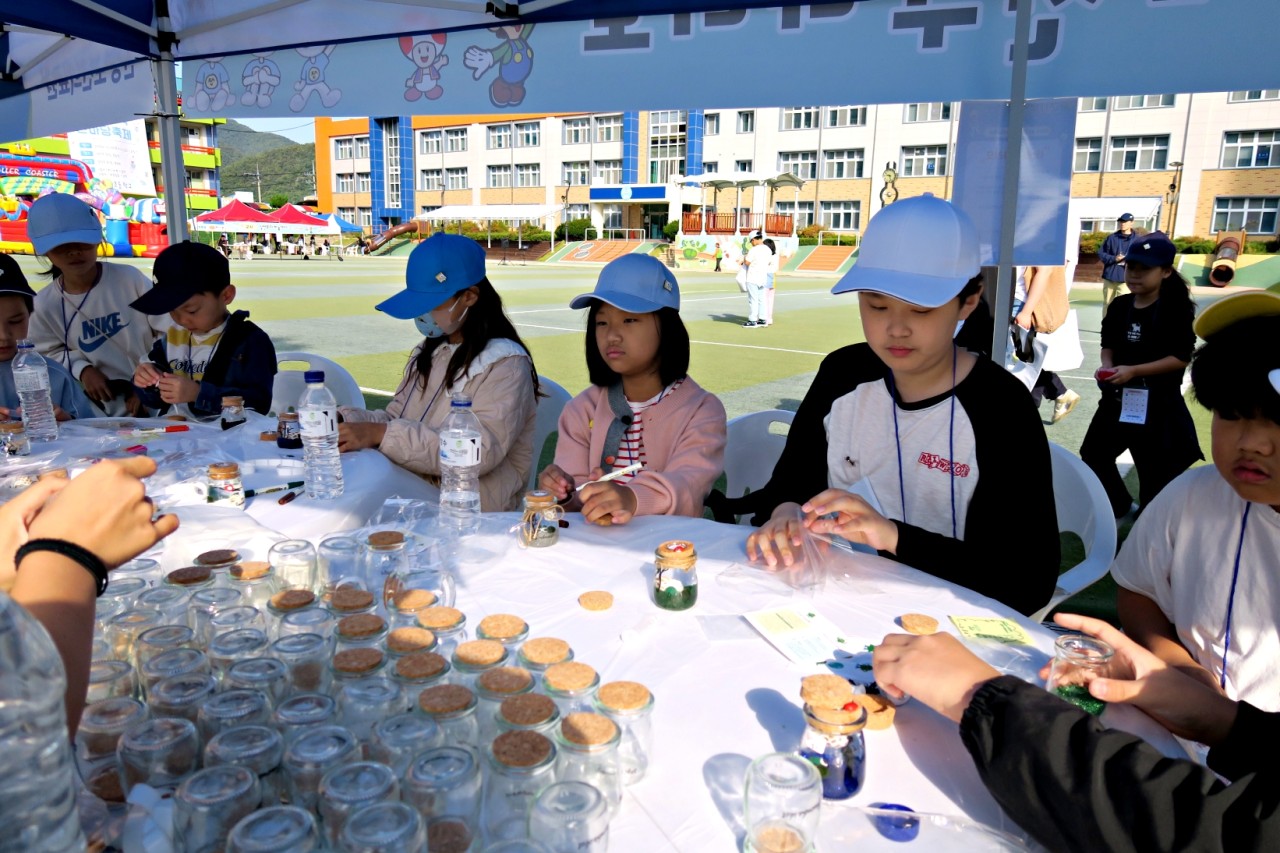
x=922, y=250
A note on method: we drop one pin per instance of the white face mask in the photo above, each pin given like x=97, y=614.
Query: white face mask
x=430, y=328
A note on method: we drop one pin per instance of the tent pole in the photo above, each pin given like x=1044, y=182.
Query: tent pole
x=1002, y=303
x=171, y=169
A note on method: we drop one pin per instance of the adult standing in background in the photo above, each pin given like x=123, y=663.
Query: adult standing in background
x=1112, y=254
x=757, y=264
x=719, y=255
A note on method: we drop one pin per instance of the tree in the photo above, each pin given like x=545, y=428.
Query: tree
x=278, y=200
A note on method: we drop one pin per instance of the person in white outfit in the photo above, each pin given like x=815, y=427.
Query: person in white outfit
x=768, y=287
x=757, y=264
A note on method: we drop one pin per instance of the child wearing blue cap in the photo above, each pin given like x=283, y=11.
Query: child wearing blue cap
x=469, y=346
x=642, y=406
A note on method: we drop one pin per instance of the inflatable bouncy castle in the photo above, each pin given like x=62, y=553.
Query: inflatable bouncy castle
x=132, y=227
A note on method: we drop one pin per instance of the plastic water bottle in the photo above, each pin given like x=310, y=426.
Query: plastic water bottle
x=37, y=770
x=31, y=376
x=460, y=446
x=318, y=420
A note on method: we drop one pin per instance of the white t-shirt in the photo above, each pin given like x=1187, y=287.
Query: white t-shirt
x=758, y=259
x=1181, y=555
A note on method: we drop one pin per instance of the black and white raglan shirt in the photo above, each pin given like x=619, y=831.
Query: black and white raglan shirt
x=994, y=455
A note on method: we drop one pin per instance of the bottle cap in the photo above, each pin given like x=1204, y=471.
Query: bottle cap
x=313, y=376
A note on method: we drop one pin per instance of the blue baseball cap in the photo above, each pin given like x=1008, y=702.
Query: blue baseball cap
x=922, y=250
x=58, y=219
x=439, y=267
x=638, y=284
x=1151, y=250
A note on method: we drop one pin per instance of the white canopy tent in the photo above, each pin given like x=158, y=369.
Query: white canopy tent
x=488, y=213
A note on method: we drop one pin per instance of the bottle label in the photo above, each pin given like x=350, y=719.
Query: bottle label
x=30, y=380
x=317, y=423
x=460, y=452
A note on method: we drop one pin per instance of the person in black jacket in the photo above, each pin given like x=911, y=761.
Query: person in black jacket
x=1074, y=785
x=209, y=353
x=1114, y=252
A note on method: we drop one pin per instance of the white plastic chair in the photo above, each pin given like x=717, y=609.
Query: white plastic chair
x=751, y=450
x=547, y=421
x=289, y=384
x=1083, y=509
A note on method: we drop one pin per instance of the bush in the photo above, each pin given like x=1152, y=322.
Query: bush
x=671, y=230
x=1194, y=245
x=810, y=231
x=574, y=229
x=807, y=241
x=1090, y=243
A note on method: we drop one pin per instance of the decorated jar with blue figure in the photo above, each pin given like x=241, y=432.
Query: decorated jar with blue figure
x=832, y=739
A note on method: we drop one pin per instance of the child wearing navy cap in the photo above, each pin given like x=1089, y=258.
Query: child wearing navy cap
x=469, y=346
x=208, y=353
x=642, y=406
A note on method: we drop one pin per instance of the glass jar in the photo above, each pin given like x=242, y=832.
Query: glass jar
x=782, y=797
x=572, y=686
x=675, y=575
x=286, y=602
x=528, y=712
x=453, y=708
x=13, y=439
x=540, y=526
x=209, y=803
x=630, y=706
x=312, y=754
x=171, y=663
x=202, y=607
x=231, y=646
x=111, y=678
x=279, y=829
x=348, y=788
x=159, y=752
x=398, y=738
x=521, y=764
x=420, y=670
x=541, y=652
x=445, y=783
x=293, y=562
x=125, y=590
x=255, y=582
x=570, y=816
x=364, y=702
x=139, y=567
x=181, y=695
x=218, y=559
x=428, y=571
x=351, y=601
x=338, y=564
x=100, y=729
x=259, y=749
x=302, y=712
x=236, y=617
x=225, y=486
x=123, y=629
x=170, y=602
x=190, y=578
x=472, y=658
x=385, y=828
x=492, y=687
x=306, y=660
x=266, y=674
x=509, y=630
x=162, y=638
x=832, y=742
x=313, y=620
x=222, y=711
x=408, y=640
x=588, y=750
x=232, y=411
x=288, y=432
x=448, y=624
x=381, y=559
x=1077, y=660
x=361, y=631
x=354, y=664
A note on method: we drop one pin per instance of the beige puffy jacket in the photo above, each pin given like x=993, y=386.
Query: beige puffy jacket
x=502, y=397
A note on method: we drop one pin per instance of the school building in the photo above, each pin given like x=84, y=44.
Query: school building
x=1192, y=164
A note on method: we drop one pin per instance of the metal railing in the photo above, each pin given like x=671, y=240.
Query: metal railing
x=841, y=235
x=608, y=233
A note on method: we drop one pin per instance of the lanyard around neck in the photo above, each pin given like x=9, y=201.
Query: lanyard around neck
x=951, y=445
x=67, y=321
x=1231, y=596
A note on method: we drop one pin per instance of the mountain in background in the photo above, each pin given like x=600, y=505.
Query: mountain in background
x=238, y=141
x=287, y=170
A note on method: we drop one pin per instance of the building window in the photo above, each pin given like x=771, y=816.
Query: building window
x=499, y=176
x=1254, y=95
x=846, y=163
x=430, y=142
x=923, y=160
x=1093, y=105
x=390, y=130
x=746, y=121
x=528, y=134
x=575, y=174
x=430, y=179
x=1138, y=153
x=1141, y=102
x=457, y=179
x=803, y=213
x=710, y=167
x=576, y=131
x=711, y=124
x=455, y=139
x=346, y=182
x=577, y=211
x=846, y=116
x=609, y=128
x=842, y=215
x=499, y=135
x=608, y=171
x=366, y=217
x=362, y=148
x=362, y=182
x=1089, y=155
x=1254, y=214
x=613, y=216
x=528, y=175
x=934, y=111
x=802, y=164
x=193, y=134
x=742, y=165
x=347, y=213
x=1251, y=149
x=342, y=149
x=667, y=137
x=800, y=118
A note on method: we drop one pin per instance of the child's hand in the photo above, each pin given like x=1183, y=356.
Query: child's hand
x=1123, y=373
x=935, y=669
x=360, y=435
x=554, y=480
x=855, y=520
x=60, y=414
x=146, y=376
x=95, y=385
x=178, y=389
x=779, y=538
x=612, y=499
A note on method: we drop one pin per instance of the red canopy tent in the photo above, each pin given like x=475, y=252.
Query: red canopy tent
x=234, y=216
x=297, y=222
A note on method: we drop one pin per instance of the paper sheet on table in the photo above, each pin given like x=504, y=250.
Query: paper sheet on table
x=991, y=628
x=803, y=636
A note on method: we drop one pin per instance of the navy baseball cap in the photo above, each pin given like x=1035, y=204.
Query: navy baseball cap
x=1152, y=250
x=179, y=273
x=439, y=267
x=12, y=280
x=57, y=219
x=637, y=284
x=1125, y=217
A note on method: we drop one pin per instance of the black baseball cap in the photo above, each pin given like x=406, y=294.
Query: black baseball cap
x=12, y=280
x=1125, y=217
x=180, y=272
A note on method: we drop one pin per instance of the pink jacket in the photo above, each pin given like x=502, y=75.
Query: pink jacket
x=684, y=437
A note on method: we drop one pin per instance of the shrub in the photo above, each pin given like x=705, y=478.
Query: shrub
x=574, y=229
x=1091, y=242
x=810, y=231
x=671, y=230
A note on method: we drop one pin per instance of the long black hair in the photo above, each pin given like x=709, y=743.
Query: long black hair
x=673, y=349
x=484, y=322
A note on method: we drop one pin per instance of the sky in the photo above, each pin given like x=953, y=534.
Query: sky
x=298, y=129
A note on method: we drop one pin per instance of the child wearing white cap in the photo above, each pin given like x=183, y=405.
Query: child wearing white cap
x=945, y=441
x=642, y=406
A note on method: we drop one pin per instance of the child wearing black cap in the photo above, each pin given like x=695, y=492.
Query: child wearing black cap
x=1147, y=341
x=208, y=352
x=16, y=301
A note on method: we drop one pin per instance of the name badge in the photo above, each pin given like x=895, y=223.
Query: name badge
x=1133, y=406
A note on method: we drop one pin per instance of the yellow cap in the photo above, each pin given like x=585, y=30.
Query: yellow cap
x=1238, y=306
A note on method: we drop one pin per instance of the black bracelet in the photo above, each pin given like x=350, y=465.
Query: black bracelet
x=89, y=560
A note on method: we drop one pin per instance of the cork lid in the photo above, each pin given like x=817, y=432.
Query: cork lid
x=250, y=570
x=445, y=699
x=362, y=625
x=479, y=652
x=505, y=679
x=545, y=650
x=826, y=691
x=293, y=599
x=588, y=729
x=624, y=696
x=350, y=598
x=384, y=539
x=569, y=675
x=409, y=639
x=223, y=470
x=288, y=416
x=219, y=557
x=521, y=749
x=502, y=626
x=233, y=401
x=676, y=553
x=11, y=426
x=420, y=665
x=410, y=600
x=527, y=709
x=357, y=660
x=539, y=499
x=439, y=617
x=189, y=575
